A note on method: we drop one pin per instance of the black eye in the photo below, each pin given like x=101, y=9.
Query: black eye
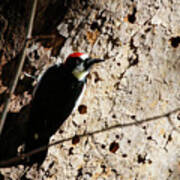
x=78, y=61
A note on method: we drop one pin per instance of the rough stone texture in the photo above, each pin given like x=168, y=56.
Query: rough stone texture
x=136, y=92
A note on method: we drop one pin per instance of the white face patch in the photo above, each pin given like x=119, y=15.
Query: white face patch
x=80, y=75
x=84, y=57
x=79, y=72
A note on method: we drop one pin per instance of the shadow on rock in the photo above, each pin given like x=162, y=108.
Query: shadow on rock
x=14, y=134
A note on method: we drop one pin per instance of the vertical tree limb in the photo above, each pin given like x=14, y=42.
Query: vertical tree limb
x=20, y=66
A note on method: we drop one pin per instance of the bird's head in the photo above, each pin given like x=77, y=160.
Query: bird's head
x=80, y=64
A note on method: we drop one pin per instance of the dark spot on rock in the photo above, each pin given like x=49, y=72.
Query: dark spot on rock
x=175, y=41
x=86, y=142
x=79, y=173
x=133, y=117
x=149, y=138
x=51, y=165
x=103, y=146
x=133, y=61
x=141, y=159
x=129, y=141
x=75, y=139
x=74, y=123
x=169, y=138
x=94, y=26
x=106, y=124
x=89, y=174
x=132, y=17
x=82, y=109
x=89, y=76
x=118, y=64
x=97, y=77
x=114, y=170
x=36, y=55
x=61, y=146
x=144, y=127
x=114, y=146
x=106, y=56
x=124, y=155
x=71, y=151
x=147, y=30
x=143, y=36
x=115, y=42
x=117, y=85
x=114, y=116
x=117, y=136
x=149, y=161
x=178, y=116
x=47, y=173
x=31, y=55
x=61, y=131
x=104, y=168
x=86, y=157
x=103, y=20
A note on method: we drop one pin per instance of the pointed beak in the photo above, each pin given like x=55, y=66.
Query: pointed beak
x=89, y=62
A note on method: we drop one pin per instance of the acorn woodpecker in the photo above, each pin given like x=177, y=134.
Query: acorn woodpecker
x=57, y=94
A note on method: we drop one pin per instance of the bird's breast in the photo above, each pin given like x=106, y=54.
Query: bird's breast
x=79, y=99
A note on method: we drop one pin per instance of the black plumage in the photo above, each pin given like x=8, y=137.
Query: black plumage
x=56, y=95
x=53, y=102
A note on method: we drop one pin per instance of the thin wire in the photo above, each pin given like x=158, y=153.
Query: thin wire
x=20, y=66
x=43, y=148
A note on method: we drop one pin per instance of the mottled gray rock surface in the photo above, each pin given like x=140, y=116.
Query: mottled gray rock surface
x=136, y=92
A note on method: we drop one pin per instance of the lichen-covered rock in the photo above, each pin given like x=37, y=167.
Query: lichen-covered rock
x=131, y=121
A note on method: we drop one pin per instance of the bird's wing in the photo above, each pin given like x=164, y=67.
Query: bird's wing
x=43, y=76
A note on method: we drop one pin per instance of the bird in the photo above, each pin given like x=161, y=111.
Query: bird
x=58, y=93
